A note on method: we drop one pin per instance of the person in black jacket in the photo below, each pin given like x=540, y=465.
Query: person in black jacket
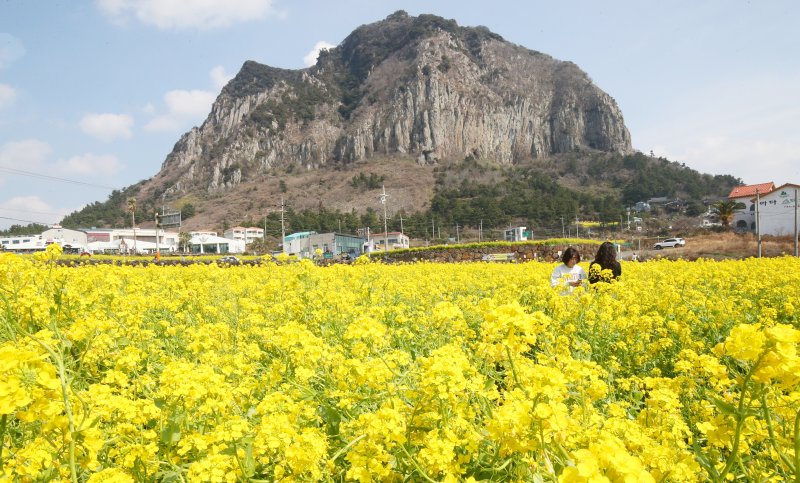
x=606, y=259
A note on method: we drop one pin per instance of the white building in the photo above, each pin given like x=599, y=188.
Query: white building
x=167, y=240
x=22, y=243
x=72, y=241
x=516, y=234
x=394, y=239
x=210, y=244
x=203, y=232
x=298, y=243
x=745, y=219
x=778, y=210
x=246, y=234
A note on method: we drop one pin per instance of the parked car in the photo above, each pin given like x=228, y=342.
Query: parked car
x=230, y=259
x=670, y=243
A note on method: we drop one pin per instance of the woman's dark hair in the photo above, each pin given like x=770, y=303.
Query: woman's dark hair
x=569, y=254
x=606, y=256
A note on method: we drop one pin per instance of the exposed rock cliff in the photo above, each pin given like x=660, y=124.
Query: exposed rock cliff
x=421, y=87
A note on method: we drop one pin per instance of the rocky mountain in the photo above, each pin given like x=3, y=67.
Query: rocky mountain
x=401, y=99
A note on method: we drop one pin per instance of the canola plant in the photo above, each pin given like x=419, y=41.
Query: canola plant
x=679, y=371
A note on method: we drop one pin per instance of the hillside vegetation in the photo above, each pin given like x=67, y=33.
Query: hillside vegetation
x=592, y=186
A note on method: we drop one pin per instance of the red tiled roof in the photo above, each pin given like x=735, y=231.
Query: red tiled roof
x=750, y=190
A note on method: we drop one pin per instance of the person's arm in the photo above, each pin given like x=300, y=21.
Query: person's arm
x=581, y=275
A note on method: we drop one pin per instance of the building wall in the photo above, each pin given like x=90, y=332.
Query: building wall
x=777, y=212
x=747, y=214
x=65, y=236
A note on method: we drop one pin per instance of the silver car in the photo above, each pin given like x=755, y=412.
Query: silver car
x=670, y=243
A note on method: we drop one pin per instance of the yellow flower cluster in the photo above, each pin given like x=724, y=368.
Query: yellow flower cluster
x=679, y=371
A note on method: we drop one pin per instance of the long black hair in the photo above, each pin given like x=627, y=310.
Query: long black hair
x=606, y=256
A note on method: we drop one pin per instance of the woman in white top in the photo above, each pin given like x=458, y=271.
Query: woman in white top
x=569, y=273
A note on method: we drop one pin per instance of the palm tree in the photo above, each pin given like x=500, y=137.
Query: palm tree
x=183, y=240
x=132, y=211
x=726, y=209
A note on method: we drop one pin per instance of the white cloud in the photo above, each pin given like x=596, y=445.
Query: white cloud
x=26, y=154
x=311, y=58
x=744, y=127
x=183, y=107
x=7, y=95
x=29, y=208
x=219, y=77
x=180, y=14
x=149, y=108
x=107, y=127
x=89, y=164
x=11, y=49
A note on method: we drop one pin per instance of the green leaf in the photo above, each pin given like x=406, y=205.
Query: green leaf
x=724, y=407
x=171, y=433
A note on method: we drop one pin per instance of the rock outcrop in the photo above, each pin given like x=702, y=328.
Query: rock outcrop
x=421, y=87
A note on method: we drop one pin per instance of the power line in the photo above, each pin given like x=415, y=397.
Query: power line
x=29, y=211
x=24, y=221
x=52, y=178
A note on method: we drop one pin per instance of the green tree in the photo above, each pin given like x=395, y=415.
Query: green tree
x=187, y=211
x=184, y=238
x=725, y=209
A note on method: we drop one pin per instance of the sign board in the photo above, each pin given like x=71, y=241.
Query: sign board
x=498, y=257
x=171, y=219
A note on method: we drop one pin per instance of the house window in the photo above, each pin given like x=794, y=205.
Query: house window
x=753, y=225
x=752, y=207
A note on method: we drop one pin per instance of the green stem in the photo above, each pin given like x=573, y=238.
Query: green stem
x=740, y=417
x=3, y=422
x=797, y=448
x=62, y=377
x=347, y=448
x=771, y=431
x=414, y=462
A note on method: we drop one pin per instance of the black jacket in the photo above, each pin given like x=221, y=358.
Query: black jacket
x=594, y=273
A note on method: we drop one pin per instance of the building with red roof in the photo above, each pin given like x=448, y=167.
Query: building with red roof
x=745, y=219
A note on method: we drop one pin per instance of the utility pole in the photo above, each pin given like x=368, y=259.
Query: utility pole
x=629, y=218
x=401, y=223
x=283, y=229
x=563, y=233
x=264, y=236
x=577, y=235
x=433, y=229
x=383, y=197
x=158, y=224
x=480, y=231
x=795, y=222
x=758, y=222
x=458, y=240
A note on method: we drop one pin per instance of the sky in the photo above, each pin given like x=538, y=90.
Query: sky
x=95, y=93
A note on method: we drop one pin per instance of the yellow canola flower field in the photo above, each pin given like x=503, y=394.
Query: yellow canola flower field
x=680, y=371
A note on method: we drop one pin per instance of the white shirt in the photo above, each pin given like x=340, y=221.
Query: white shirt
x=562, y=274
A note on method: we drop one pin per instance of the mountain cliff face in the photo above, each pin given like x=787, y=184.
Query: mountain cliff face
x=415, y=87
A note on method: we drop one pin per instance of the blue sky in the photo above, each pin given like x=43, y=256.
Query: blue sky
x=100, y=91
